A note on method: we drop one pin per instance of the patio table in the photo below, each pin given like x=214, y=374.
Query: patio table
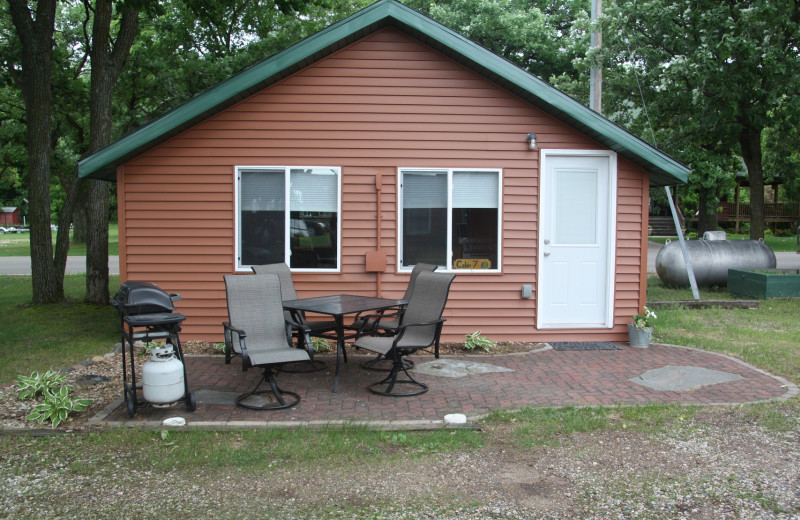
x=338, y=306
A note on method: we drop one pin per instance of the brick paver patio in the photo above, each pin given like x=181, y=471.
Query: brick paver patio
x=543, y=377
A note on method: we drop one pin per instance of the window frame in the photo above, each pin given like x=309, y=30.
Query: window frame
x=287, y=253
x=449, y=211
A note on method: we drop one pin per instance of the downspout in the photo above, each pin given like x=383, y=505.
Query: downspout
x=375, y=260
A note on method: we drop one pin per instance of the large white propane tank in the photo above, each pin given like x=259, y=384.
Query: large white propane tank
x=162, y=376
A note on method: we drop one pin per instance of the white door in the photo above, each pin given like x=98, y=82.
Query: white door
x=577, y=218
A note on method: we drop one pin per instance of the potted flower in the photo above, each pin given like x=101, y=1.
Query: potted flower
x=640, y=332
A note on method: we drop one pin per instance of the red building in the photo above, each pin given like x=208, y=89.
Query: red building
x=390, y=137
x=9, y=216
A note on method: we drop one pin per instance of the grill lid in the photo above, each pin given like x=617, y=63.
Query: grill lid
x=143, y=298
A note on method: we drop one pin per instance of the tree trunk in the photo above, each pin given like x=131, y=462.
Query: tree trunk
x=79, y=219
x=107, y=63
x=750, y=142
x=706, y=220
x=97, y=242
x=35, y=31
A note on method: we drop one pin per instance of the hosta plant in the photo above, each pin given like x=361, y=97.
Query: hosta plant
x=29, y=387
x=475, y=340
x=57, y=406
x=320, y=345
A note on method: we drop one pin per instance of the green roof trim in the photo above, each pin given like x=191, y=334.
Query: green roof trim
x=663, y=169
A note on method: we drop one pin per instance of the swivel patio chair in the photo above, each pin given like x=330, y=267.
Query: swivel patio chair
x=258, y=331
x=320, y=329
x=387, y=322
x=420, y=327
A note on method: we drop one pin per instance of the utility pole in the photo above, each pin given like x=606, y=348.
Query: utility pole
x=595, y=73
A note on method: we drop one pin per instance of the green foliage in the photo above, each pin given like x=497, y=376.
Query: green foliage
x=644, y=320
x=149, y=346
x=475, y=340
x=57, y=406
x=394, y=437
x=548, y=39
x=713, y=75
x=320, y=345
x=30, y=387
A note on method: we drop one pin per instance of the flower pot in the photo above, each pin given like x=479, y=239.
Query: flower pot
x=639, y=338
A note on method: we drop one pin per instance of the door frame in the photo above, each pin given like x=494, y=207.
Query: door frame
x=611, y=252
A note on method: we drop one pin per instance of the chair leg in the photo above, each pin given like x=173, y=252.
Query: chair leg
x=373, y=364
x=387, y=385
x=278, y=394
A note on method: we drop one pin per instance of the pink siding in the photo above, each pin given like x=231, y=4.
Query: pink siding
x=384, y=102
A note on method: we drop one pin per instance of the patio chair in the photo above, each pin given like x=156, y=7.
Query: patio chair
x=392, y=320
x=258, y=331
x=379, y=326
x=320, y=329
x=420, y=327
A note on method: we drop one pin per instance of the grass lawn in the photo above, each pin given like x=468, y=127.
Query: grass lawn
x=19, y=244
x=766, y=337
x=41, y=337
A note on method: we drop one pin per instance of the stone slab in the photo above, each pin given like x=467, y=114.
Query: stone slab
x=457, y=368
x=683, y=378
x=215, y=397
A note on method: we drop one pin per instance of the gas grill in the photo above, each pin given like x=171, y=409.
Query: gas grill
x=147, y=313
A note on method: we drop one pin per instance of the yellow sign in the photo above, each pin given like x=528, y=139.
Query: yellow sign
x=472, y=263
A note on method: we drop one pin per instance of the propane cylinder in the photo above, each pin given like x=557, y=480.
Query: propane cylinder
x=162, y=376
x=711, y=260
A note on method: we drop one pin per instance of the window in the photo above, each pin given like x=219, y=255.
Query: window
x=304, y=232
x=450, y=217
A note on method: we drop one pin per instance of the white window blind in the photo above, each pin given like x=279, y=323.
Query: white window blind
x=426, y=189
x=473, y=189
x=262, y=190
x=314, y=189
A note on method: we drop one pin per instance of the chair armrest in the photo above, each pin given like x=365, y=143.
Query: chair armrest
x=241, y=333
x=230, y=329
x=301, y=329
x=370, y=323
x=403, y=328
x=296, y=320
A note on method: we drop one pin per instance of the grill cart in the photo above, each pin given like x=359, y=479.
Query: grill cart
x=146, y=314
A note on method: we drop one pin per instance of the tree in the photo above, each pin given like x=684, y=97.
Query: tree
x=79, y=36
x=107, y=54
x=545, y=37
x=717, y=71
x=34, y=29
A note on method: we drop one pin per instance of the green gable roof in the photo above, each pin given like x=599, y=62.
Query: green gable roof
x=663, y=169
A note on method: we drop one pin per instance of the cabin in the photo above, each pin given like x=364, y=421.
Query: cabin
x=385, y=140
